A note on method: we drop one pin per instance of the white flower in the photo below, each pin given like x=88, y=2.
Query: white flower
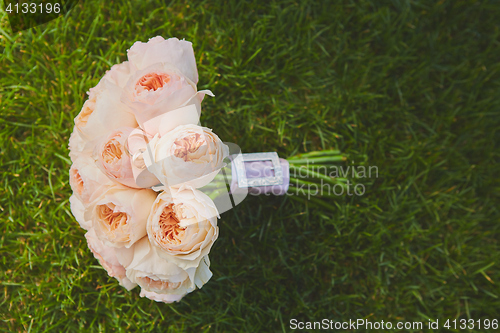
x=165, y=298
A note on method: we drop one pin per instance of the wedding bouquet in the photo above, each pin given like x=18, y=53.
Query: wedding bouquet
x=149, y=182
x=139, y=157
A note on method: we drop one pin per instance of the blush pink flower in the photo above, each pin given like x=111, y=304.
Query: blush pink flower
x=182, y=226
x=120, y=73
x=113, y=158
x=119, y=215
x=103, y=111
x=78, y=209
x=178, y=53
x=157, y=90
x=187, y=155
x=156, y=275
x=107, y=258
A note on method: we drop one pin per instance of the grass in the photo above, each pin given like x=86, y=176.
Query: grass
x=411, y=87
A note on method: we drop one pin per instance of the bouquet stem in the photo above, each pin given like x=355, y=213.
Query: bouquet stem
x=307, y=181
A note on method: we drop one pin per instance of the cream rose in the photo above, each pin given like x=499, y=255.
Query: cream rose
x=157, y=275
x=188, y=155
x=182, y=226
x=86, y=179
x=178, y=53
x=107, y=258
x=159, y=89
x=103, y=112
x=114, y=159
x=119, y=215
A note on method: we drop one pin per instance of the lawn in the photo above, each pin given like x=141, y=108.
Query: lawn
x=409, y=87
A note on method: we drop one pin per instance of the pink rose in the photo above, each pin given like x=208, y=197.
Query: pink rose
x=189, y=155
x=157, y=90
x=119, y=215
x=76, y=144
x=135, y=146
x=107, y=258
x=119, y=73
x=85, y=178
x=103, y=112
x=159, y=276
x=114, y=158
x=182, y=226
x=178, y=53
x=162, y=78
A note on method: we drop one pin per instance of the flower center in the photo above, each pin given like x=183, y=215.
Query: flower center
x=152, y=81
x=112, y=151
x=111, y=219
x=169, y=230
x=188, y=145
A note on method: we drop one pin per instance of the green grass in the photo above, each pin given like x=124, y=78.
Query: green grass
x=411, y=87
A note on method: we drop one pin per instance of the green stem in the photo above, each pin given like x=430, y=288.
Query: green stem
x=313, y=174
x=313, y=160
x=316, y=154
